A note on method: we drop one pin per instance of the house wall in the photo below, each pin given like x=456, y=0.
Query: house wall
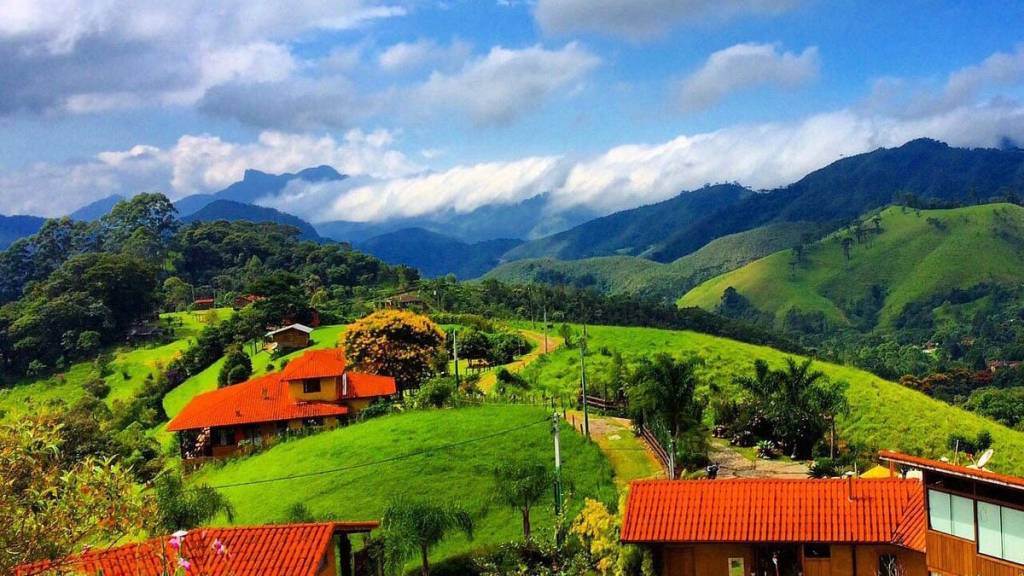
x=329, y=562
x=357, y=405
x=328, y=391
x=957, y=556
x=291, y=339
x=713, y=560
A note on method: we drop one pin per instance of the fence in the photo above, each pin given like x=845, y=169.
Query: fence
x=659, y=451
x=608, y=406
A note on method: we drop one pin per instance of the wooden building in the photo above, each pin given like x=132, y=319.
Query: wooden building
x=314, y=549
x=203, y=304
x=838, y=527
x=291, y=337
x=314, y=391
x=975, y=517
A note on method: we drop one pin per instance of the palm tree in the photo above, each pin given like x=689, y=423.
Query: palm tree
x=663, y=391
x=831, y=402
x=409, y=526
x=520, y=485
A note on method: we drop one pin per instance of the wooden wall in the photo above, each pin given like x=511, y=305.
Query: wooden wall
x=713, y=560
x=952, y=555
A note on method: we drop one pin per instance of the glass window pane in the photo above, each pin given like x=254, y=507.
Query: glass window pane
x=1013, y=535
x=940, y=514
x=990, y=530
x=963, y=517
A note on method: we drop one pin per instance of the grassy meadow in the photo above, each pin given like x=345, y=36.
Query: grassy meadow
x=129, y=368
x=884, y=415
x=462, y=473
x=917, y=254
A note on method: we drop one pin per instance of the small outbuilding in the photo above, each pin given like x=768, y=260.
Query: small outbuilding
x=291, y=337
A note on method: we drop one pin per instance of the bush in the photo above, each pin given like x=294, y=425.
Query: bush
x=97, y=388
x=379, y=407
x=436, y=393
x=824, y=468
x=766, y=450
x=237, y=367
x=88, y=342
x=35, y=369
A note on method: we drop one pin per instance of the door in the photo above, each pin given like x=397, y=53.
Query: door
x=679, y=562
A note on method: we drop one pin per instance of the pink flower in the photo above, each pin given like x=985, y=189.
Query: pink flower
x=175, y=543
x=184, y=564
x=219, y=547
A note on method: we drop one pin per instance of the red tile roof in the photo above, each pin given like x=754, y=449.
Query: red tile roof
x=263, y=399
x=948, y=468
x=370, y=386
x=293, y=549
x=315, y=364
x=881, y=511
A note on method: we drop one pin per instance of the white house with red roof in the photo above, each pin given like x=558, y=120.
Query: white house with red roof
x=315, y=390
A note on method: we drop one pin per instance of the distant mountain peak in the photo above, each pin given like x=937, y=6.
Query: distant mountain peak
x=322, y=173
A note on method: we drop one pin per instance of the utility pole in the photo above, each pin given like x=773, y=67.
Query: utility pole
x=558, y=477
x=545, y=329
x=455, y=353
x=671, y=458
x=583, y=382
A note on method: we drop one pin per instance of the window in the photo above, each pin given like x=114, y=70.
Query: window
x=1001, y=532
x=310, y=386
x=951, y=514
x=817, y=551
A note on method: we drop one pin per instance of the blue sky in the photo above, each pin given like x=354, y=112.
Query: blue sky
x=459, y=103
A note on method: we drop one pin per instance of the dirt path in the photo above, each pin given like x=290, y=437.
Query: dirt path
x=629, y=455
x=732, y=464
x=490, y=378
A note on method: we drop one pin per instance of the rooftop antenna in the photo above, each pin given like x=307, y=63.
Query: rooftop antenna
x=983, y=459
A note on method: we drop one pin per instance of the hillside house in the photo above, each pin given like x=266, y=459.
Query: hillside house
x=291, y=337
x=315, y=390
x=975, y=517
x=243, y=300
x=203, y=304
x=745, y=527
x=404, y=301
x=295, y=549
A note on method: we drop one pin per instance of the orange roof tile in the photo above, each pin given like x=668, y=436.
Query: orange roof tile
x=370, y=385
x=946, y=467
x=881, y=511
x=293, y=549
x=315, y=364
x=263, y=399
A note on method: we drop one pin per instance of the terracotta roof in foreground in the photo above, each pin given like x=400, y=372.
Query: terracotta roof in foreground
x=946, y=467
x=263, y=399
x=370, y=386
x=879, y=512
x=293, y=549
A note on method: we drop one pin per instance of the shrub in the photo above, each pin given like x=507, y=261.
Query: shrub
x=237, y=367
x=436, y=393
x=97, y=388
x=824, y=468
x=88, y=342
x=766, y=450
x=35, y=369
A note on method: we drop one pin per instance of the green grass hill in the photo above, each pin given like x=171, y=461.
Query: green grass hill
x=439, y=470
x=642, y=277
x=128, y=369
x=884, y=415
x=914, y=255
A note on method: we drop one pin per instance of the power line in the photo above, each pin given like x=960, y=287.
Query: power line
x=383, y=460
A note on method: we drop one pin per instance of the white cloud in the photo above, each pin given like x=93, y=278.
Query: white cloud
x=196, y=163
x=118, y=53
x=495, y=88
x=463, y=188
x=406, y=56
x=746, y=66
x=643, y=19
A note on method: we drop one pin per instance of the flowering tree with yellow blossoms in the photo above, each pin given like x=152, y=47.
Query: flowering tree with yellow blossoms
x=394, y=343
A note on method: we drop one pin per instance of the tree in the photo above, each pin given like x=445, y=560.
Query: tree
x=415, y=526
x=395, y=343
x=237, y=367
x=49, y=505
x=520, y=485
x=183, y=507
x=177, y=294
x=847, y=242
x=664, y=392
x=798, y=403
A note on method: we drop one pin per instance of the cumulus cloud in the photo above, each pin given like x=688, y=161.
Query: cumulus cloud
x=643, y=19
x=496, y=88
x=196, y=163
x=406, y=56
x=746, y=66
x=104, y=55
